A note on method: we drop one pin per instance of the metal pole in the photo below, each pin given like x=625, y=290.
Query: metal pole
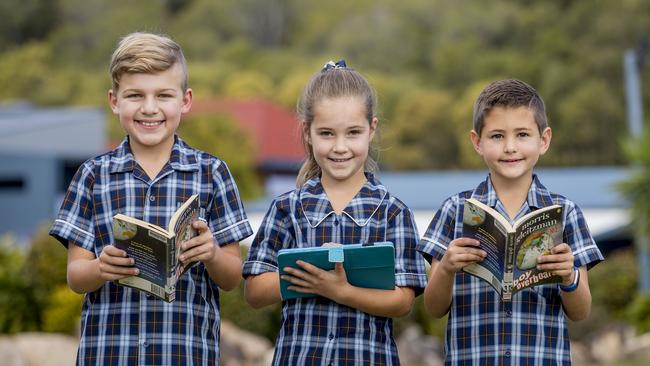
x=635, y=125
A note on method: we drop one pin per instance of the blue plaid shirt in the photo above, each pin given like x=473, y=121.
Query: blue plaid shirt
x=318, y=331
x=123, y=326
x=530, y=330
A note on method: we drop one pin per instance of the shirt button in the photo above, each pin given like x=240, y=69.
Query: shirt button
x=336, y=221
x=145, y=344
x=507, y=353
x=509, y=313
x=152, y=198
x=331, y=336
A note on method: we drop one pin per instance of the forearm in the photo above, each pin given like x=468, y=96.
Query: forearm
x=439, y=290
x=262, y=290
x=577, y=304
x=388, y=303
x=83, y=275
x=225, y=266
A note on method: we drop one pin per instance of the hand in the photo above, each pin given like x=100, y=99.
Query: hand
x=201, y=247
x=461, y=252
x=559, y=263
x=310, y=279
x=114, y=264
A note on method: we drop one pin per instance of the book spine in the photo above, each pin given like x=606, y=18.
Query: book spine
x=509, y=267
x=171, y=259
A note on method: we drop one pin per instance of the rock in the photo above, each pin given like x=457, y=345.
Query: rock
x=418, y=349
x=242, y=348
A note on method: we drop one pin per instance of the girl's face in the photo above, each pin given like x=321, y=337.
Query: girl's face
x=340, y=136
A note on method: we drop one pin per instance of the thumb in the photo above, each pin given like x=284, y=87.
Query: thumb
x=338, y=267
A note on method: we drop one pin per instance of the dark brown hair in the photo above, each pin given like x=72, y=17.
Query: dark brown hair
x=509, y=93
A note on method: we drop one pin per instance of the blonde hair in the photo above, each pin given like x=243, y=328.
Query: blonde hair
x=146, y=53
x=332, y=83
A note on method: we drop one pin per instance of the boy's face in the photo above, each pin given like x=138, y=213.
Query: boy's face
x=150, y=107
x=510, y=143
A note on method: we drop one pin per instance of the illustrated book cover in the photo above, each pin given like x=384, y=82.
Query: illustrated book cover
x=156, y=249
x=512, y=250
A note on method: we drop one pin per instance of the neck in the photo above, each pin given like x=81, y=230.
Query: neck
x=340, y=193
x=512, y=193
x=152, y=159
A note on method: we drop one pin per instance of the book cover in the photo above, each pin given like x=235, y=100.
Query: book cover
x=155, y=250
x=512, y=250
x=366, y=265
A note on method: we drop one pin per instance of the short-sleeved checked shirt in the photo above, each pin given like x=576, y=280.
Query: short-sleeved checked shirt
x=123, y=326
x=318, y=331
x=530, y=330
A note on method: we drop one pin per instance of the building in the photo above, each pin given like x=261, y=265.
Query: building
x=40, y=150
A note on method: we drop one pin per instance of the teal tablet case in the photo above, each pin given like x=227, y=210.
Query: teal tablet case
x=366, y=265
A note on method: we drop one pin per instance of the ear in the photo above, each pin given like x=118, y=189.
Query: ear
x=187, y=101
x=304, y=129
x=112, y=101
x=373, y=127
x=547, y=134
x=476, y=141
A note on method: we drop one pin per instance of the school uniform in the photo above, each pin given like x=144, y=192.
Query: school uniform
x=530, y=330
x=316, y=330
x=123, y=326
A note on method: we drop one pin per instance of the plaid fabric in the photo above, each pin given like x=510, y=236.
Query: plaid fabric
x=122, y=326
x=530, y=330
x=318, y=331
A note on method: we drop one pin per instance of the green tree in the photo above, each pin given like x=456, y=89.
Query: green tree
x=219, y=135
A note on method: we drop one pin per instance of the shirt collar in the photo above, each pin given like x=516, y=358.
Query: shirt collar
x=316, y=206
x=182, y=158
x=538, y=195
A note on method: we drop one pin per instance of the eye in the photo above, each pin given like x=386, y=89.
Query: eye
x=133, y=95
x=325, y=133
x=496, y=136
x=166, y=95
x=523, y=134
x=355, y=132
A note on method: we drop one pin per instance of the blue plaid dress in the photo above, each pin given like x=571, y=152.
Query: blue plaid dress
x=122, y=326
x=530, y=330
x=318, y=331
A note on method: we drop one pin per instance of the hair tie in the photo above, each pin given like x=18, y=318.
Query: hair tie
x=331, y=65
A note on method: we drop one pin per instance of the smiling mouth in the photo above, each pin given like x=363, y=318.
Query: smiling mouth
x=339, y=160
x=510, y=160
x=150, y=123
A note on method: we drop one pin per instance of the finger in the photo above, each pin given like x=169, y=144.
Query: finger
x=116, y=261
x=308, y=267
x=114, y=251
x=200, y=225
x=331, y=245
x=465, y=242
x=302, y=290
x=296, y=272
x=205, y=237
x=297, y=281
x=117, y=271
x=556, y=258
x=561, y=248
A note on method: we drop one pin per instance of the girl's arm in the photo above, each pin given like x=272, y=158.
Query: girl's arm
x=262, y=290
x=335, y=286
x=87, y=273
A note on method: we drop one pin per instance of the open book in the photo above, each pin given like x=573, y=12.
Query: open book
x=512, y=250
x=156, y=250
x=370, y=265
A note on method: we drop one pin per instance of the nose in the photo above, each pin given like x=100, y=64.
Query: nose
x=149, y=106
x=339, y=144
x=510, y=145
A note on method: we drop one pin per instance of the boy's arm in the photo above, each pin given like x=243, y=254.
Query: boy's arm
x=438, y=293
x=577, y=304
x=223, y=263
x=335, y=286
x=87, y=273
x=262, y=290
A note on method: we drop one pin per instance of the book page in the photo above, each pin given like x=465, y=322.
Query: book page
x=535, y=236
x=181, y=225
x=482, y=226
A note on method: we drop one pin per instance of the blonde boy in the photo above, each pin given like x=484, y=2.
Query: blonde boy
x=510, y=133
x=147, y=176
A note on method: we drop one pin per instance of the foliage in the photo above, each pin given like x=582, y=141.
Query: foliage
x=18, y=308
x=636, y=188
x=639, y=313
x=265, y=321
x=62, y=314
x=620, y=272
x=220, y=136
